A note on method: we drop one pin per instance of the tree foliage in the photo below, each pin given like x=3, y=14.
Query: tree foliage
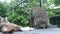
x=57, y=2
x=20, y=15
